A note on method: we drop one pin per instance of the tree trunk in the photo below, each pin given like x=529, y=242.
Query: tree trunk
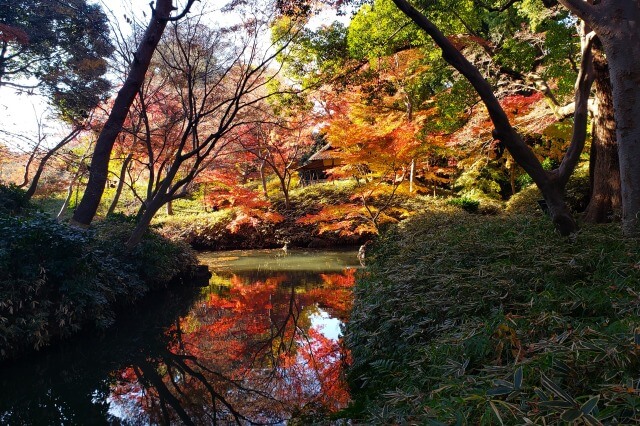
x=66, y=201
x=169, y=208
x=121, y=178
x=144, y=221
x=25, y=179
x=617, y=23
x=623, y=53
x=604, y=165
x=36, y=178
x=285, y=192
x=412, y=174
x=90, y=201
x=263, y=177
x=76, y=178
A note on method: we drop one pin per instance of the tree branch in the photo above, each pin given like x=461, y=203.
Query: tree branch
x=583, y=88
x=583, y=10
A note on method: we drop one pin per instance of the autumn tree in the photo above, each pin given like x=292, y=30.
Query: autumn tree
x=551, y=183
x=215, y=82
x=604, y=18
x=160, y=16
x=279, y=140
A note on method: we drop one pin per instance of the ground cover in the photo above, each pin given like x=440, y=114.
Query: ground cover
x=56, y=281
x=469, y=319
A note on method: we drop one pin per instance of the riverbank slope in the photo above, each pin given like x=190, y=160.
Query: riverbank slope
x=496, y=320
x=57, y=281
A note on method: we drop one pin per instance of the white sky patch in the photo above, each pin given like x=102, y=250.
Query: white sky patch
x=326, y=324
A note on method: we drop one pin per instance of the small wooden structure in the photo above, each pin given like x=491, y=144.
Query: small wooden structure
x=314, y=169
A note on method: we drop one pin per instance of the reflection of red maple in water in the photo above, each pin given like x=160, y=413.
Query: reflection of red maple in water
x=249, y=353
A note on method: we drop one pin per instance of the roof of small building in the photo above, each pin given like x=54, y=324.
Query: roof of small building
x=325, y=153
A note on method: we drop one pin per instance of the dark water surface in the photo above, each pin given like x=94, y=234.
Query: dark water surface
x=259, y=345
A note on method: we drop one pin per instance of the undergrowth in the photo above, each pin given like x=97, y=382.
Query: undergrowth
x=56, y=280
x=467, y=319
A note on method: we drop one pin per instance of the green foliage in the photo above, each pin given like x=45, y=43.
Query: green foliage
x=517, y=54
x=465, y=203
x=56, y=280
x=381, y=29
x=481, y=177
x=63, y=45
x=12, y=199
x=463, y=319
x=525, y=202
x=313, y=53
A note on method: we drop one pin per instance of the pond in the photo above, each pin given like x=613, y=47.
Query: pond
x=259, y=345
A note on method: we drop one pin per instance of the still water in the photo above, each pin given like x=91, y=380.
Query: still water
x=259, y=345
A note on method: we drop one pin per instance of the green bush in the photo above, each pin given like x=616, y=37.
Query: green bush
x=12, y=199
x=56, y=280
x=463, y=319
x=465, y=203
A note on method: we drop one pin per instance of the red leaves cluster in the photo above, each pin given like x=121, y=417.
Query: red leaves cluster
x=9, y=34
x=255, y=344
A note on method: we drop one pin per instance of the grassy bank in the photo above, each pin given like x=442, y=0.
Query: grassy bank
x=472, y=319
x=56, y=281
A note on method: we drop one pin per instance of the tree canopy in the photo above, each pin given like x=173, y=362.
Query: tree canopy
x=60, y=47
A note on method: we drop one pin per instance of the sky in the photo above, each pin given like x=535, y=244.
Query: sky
x=19, y=113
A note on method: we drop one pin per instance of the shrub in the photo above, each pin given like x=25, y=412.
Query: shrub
x=465, y=203
x=12, y=199
x=481, y=320
x=56, y=280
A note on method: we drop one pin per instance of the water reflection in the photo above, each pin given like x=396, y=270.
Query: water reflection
x=256, y=347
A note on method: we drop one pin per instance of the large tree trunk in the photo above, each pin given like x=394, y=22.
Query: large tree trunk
x=604, y=167
x=90, y=201
x=617, y=23
x=623, y=53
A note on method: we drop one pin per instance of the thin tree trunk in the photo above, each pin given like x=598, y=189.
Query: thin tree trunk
x=36, y=178
x=88, y=206
x=263, y=177
x=169, y=206
x=285, y=192
x=411, y=174
x=66, y=201
x=121, y=178
x=76, y=177
x=25, y=179
x=604, y=162
x=143, y=222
